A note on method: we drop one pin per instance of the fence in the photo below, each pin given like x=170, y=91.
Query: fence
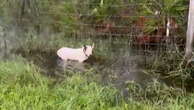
x=144, y=32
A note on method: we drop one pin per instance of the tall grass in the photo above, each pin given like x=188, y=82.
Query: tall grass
x=23, y=87
x=172, y=68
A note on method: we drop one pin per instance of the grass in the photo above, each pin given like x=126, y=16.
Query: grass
x=22, y=87
x=172, y=68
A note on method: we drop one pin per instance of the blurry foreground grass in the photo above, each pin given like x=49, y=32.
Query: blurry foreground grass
x=22, y=87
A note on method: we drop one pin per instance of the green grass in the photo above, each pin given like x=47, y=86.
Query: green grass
x=22, y=87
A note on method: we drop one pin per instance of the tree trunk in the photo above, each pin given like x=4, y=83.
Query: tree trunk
x=190, y=31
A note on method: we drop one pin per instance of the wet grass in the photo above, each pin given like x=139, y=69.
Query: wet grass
x=171, y=68
x=42, y=50
x=22, y=87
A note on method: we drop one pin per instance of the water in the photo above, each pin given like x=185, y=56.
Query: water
x=114, y=61
x=9, y=41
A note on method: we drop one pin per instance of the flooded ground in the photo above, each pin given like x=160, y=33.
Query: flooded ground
x=113, y=61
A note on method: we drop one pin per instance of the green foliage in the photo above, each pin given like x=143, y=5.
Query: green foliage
x=175, y=9
x=12, y=72
x=104, y=8
x=69, y=16
x=165, y=7
x=22, y=87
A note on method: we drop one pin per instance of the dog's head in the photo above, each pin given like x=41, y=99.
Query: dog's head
x=87, y=49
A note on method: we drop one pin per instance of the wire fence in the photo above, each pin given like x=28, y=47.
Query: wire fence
x=142, y=30
x=146, y=34
x=138, y=31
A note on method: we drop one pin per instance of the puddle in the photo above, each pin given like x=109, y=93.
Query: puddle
x=115, y=63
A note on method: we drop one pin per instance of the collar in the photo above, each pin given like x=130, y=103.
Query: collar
x=86, y=54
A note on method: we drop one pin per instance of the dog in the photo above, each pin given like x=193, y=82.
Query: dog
x=76, y=54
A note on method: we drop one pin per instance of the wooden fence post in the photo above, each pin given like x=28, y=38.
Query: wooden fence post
x=190, y=31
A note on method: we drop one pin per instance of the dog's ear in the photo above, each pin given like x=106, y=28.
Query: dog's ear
x=84, y=49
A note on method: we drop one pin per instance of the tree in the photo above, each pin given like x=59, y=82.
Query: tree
x=167, y=9
x=190, y=31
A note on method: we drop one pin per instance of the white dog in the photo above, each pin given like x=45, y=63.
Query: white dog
x=79, y=54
